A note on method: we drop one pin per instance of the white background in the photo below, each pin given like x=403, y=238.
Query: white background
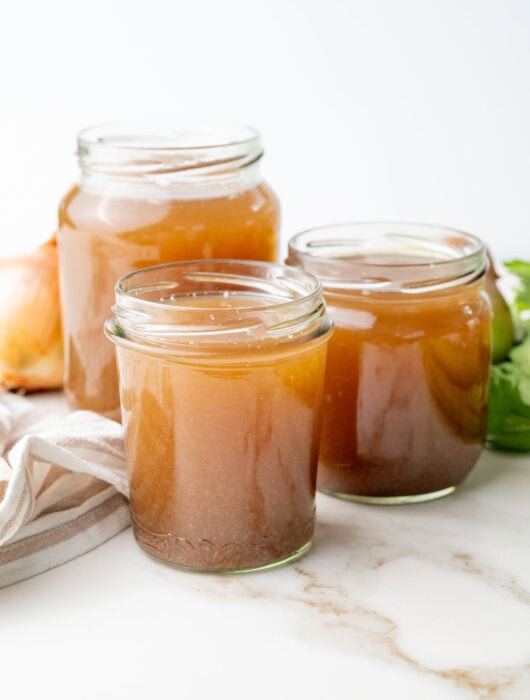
x=384, y=109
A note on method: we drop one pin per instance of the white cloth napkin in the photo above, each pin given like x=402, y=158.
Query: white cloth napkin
x=63, y=484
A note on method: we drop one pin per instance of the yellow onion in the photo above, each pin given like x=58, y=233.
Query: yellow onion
x=31, y=351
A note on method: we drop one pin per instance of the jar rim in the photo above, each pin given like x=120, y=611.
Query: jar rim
x=281, y=304
x=122, y=134
x=389, y=256
x=168, y=152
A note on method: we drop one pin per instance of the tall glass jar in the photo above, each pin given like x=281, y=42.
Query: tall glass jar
x=149, y=194
x=221, y=374
x=405, y=402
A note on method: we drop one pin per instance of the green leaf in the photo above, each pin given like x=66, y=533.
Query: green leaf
x=521, y=270
x=520, y=356
x=509, y=408
x=509, y=402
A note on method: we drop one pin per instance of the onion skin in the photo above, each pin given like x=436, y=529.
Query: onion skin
x=31, y=348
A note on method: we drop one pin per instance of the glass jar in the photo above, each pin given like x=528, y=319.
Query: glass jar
x=221, y=373
x=406, y=388
x=149, y=194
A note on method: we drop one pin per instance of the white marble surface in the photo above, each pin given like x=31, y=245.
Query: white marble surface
x=427, y=601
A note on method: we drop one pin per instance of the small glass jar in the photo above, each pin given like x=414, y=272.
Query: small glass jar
x=221, y=374
x=151, y=193
x=405, y=400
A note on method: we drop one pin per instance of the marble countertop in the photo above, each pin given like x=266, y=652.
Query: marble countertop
x=428, y=601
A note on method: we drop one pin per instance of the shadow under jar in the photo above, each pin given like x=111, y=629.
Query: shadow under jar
x=406, y=388
x=151, y=193
x=221, y=376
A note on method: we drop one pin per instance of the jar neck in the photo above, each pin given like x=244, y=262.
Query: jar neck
x=160, y=159
x=389, y=258
x=203, y=307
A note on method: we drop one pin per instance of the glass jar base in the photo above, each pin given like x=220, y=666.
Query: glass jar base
x=294, y=556
x=391, y=500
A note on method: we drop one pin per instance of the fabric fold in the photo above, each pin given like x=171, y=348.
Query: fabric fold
x=63, y=485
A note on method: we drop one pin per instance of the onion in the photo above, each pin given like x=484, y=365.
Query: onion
x=31, y=350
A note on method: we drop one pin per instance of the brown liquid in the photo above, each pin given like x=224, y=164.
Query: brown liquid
x=222, y=453
x=101, y=238
x=405, y=401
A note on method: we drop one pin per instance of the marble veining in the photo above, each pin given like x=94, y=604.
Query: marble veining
x=421, y=602
x=439, y=588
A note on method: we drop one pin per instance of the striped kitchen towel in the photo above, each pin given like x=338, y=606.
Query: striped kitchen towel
x=63, y=486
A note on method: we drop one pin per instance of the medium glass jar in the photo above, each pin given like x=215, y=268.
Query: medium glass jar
x=149, y=194
x=405, y=401
x=221, y=374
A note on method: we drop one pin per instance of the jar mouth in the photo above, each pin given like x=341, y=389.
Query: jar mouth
x=167, y=147
x=167, y=135
x=389, y=256
x=200, y=304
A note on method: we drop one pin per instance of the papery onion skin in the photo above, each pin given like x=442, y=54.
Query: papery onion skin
x=31, y=348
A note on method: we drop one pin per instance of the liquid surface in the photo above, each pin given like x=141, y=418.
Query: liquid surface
x=102, y=237
x=222, y=454
x=405, y=401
